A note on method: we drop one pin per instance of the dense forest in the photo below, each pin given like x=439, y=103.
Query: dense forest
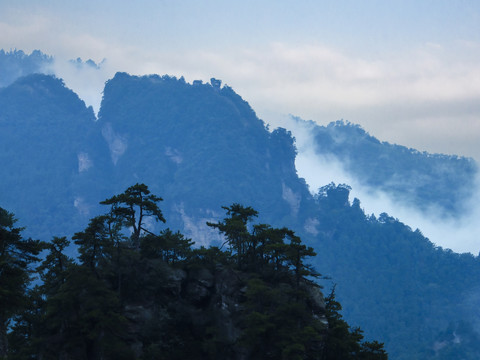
x=135, y=294
x=201, y=146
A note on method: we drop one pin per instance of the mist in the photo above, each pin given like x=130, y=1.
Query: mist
x=86, y=78
x=459, y=234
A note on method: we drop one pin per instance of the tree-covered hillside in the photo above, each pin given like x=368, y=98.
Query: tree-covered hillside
x=152, y=296
x=49, y=146
x=430, y=182
x=201, y=146
x=416, y=291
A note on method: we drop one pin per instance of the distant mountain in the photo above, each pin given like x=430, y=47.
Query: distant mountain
x=49, y=143
x=426, y=181
x=15, y=64
x=201, y=146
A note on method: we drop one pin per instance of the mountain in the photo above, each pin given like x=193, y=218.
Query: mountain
x=49, y=143
x=391, y=280
x=201, y=146
x=15, y=64
x=429, y=182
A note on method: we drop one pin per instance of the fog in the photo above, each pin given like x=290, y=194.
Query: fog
x=459, y=235
x=86, y=78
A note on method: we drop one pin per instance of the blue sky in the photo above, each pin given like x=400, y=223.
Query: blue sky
x=407, y=71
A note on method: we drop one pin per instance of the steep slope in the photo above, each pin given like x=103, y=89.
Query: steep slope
x=48, y=150
x=442, y=183
x=392, y=281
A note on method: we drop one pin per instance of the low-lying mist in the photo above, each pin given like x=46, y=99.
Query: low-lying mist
x=86, y=78
x=459, y=234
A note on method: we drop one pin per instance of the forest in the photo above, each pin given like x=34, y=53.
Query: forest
x=135, y=294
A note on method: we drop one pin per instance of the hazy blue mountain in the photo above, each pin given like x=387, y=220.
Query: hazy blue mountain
x=49, y=148
x=15, y=64
x=80, y=64
x=393, y=282
x=201, y=146
x=426, y=181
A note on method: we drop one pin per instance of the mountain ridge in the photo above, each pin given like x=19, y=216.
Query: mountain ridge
x=411, y=177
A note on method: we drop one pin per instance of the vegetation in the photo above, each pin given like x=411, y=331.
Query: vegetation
x=407, y=277
x=16, y=258
x=408, y=175
x=135, y=294
x=202, y=146
x=48, y=143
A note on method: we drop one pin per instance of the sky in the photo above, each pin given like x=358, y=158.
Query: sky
x=407, y=71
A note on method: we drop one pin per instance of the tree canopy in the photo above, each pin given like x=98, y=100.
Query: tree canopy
x=152, y=295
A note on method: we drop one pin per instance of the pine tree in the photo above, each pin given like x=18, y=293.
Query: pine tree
x=234, y=227
x=133, y=206
x=17, y=259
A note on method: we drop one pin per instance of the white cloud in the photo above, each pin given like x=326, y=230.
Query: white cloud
x=24, y=37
